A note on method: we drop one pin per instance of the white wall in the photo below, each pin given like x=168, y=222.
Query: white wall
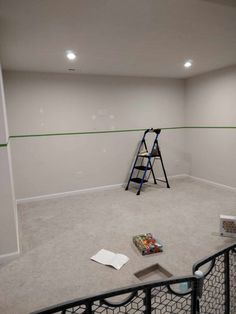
x=211, y=101
x=54, y=103
x=8, y=216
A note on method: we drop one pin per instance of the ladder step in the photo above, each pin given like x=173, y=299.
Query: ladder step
x=144, y=156
x=147, y=156
x=143, y=168
x=138, y=180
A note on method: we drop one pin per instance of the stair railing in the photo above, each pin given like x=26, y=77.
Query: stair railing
x=211, y=290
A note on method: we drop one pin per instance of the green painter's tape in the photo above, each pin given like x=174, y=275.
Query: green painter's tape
x=210, y=127
x=116, y=131
x=87, y=132
x=3, y=145
x=172, y=128
x=75, y=133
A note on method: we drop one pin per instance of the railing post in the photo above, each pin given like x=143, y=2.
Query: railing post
x=88, y=308
x=227, y=283
x=148, y=301
x=200, y=282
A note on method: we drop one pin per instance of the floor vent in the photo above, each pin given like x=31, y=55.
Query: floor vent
x=228, y=225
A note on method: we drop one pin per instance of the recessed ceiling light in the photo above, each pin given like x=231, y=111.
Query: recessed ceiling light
x=188, y=64
x=70, y=55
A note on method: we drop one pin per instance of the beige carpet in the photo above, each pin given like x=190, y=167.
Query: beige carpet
x=59, y=236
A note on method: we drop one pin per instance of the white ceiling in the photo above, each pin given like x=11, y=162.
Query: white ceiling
x=118, y=37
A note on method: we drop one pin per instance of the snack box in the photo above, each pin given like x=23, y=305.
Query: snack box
x=147, y=244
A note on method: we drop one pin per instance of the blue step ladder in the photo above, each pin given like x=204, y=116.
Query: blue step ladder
x=144, y=162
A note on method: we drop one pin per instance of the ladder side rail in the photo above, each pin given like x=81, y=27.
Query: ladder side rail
x=143, y=177
x=155, y=142
x=163, y=168
x=151, y=164
x=140, y=165
x=151, y=170
x=132, y=171
x=137, y=156
x=145, y=146
x=157, y=131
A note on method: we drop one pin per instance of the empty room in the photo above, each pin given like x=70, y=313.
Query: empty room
x=117, y=156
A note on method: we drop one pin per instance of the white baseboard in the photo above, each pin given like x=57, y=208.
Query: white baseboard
x=76, y=192
x=8, y=257
x=68, y=193
x=213, y=183
x=175, y=176
x=111, y=187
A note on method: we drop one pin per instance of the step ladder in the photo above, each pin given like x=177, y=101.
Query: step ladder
x=144, y=162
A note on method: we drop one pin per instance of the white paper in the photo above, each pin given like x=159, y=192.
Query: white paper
x=106, y=257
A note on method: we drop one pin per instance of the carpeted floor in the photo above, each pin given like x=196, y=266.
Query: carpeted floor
x=59, y=236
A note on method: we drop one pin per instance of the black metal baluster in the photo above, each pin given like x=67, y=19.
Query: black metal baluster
x=227, y=283
x=148, y=301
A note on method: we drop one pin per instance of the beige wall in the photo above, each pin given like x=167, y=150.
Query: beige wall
x=211, y=101
x=54, y=103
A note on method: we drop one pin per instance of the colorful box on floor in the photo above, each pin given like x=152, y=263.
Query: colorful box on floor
x=147, y=244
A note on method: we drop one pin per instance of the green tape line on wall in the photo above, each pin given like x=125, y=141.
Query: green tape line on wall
x=117, y=131
x=83, y=133
x=3, y=145
x=209, y=127
x=75, y=133
x=87, y=132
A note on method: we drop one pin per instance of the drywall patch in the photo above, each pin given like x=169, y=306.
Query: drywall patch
x=102, y=112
